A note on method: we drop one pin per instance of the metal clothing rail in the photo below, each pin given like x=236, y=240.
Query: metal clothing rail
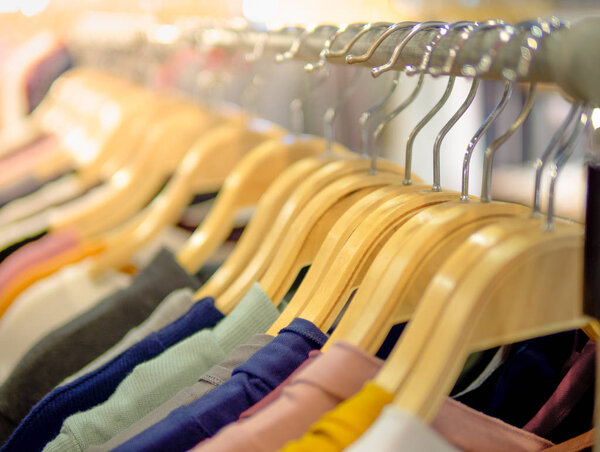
x=568, y=57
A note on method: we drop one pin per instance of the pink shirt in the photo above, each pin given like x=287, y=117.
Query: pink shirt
x=311, y=391
x=33, y=253
x=321, y=384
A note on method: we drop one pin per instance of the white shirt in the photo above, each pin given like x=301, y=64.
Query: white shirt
x=396, y=430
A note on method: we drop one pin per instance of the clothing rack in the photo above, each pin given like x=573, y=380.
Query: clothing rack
x=563, y=57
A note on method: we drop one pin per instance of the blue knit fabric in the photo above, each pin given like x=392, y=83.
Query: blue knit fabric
x=44, y=421
x=249, y=383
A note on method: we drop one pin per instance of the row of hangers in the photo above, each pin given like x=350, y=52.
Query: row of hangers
x=468, y=273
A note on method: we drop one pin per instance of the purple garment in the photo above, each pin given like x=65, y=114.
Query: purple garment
x=570, y=392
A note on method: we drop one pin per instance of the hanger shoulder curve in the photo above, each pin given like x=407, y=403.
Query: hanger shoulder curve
x=433, y=302
x=311, y=188
x=242, y=188
x=531, y=285
x=403, y=268
x=266, y=211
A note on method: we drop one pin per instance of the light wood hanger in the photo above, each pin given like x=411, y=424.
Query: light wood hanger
x=233, y=266
x=134, y=186
x=283, y=270
x=330, y=185
x=209, y=161
x=528, y=285
x=244, y=188
x=320, y=299
x=406, y=264
x=269, y=205
x=496, y=232
x=403, y=268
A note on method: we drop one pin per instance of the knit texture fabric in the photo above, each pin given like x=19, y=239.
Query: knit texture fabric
x=154, y=382
x=212, y=379
x=72, y=346
x=43, y=423
x=250, y=382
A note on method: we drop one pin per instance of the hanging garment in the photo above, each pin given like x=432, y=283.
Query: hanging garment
x=154, y=382
x=170, y=309
x=395, y=429
x=249, y=383
x=44, y=422
x=569, y=410
x=67, y=349
x=311, y=392
x=215, y=377
x=49, y=304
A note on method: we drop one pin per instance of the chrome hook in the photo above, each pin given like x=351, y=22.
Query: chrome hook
x=447, y=68
x=397, y=51
x=352, y=59
x=562, y=156
x=422, y=26
x=540, y=163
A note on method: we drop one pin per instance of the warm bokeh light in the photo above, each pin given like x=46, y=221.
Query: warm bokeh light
x=264, y=11
x=26, y=7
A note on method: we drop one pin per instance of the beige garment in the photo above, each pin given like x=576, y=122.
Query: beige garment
x=47, y=305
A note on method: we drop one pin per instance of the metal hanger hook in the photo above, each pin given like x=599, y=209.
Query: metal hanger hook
x=422, y=26
x=541, y=162
x=424, y=67
x=447, y=69
x=535, y=30
x=562, y=156
x=390, y=29
x=296, y=106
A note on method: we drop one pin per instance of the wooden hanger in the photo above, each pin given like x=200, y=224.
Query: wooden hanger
x=527, y=285
x=209, y=161
x=134, y=186
x=243, y=188
x=406, y=264
x=329, y=185
x=278, y=279
x=410, y=261
x=233, y=266
x=320, y=299
x=268, y=207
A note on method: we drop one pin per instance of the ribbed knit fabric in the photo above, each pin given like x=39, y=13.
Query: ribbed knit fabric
x=212, y=379
x=170, y=309
x=250, y=382
x=154, y=382
x=75, y=344
x=43, y=423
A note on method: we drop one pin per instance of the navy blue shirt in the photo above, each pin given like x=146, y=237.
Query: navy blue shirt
x=250, y=382
x=44, y=421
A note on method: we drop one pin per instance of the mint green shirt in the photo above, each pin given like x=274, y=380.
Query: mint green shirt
x=152, y=383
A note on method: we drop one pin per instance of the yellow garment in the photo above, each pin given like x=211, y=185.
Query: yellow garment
x=343, y=425
x=46, y=268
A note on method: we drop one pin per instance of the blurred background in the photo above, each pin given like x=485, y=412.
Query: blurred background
x=31, y=29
